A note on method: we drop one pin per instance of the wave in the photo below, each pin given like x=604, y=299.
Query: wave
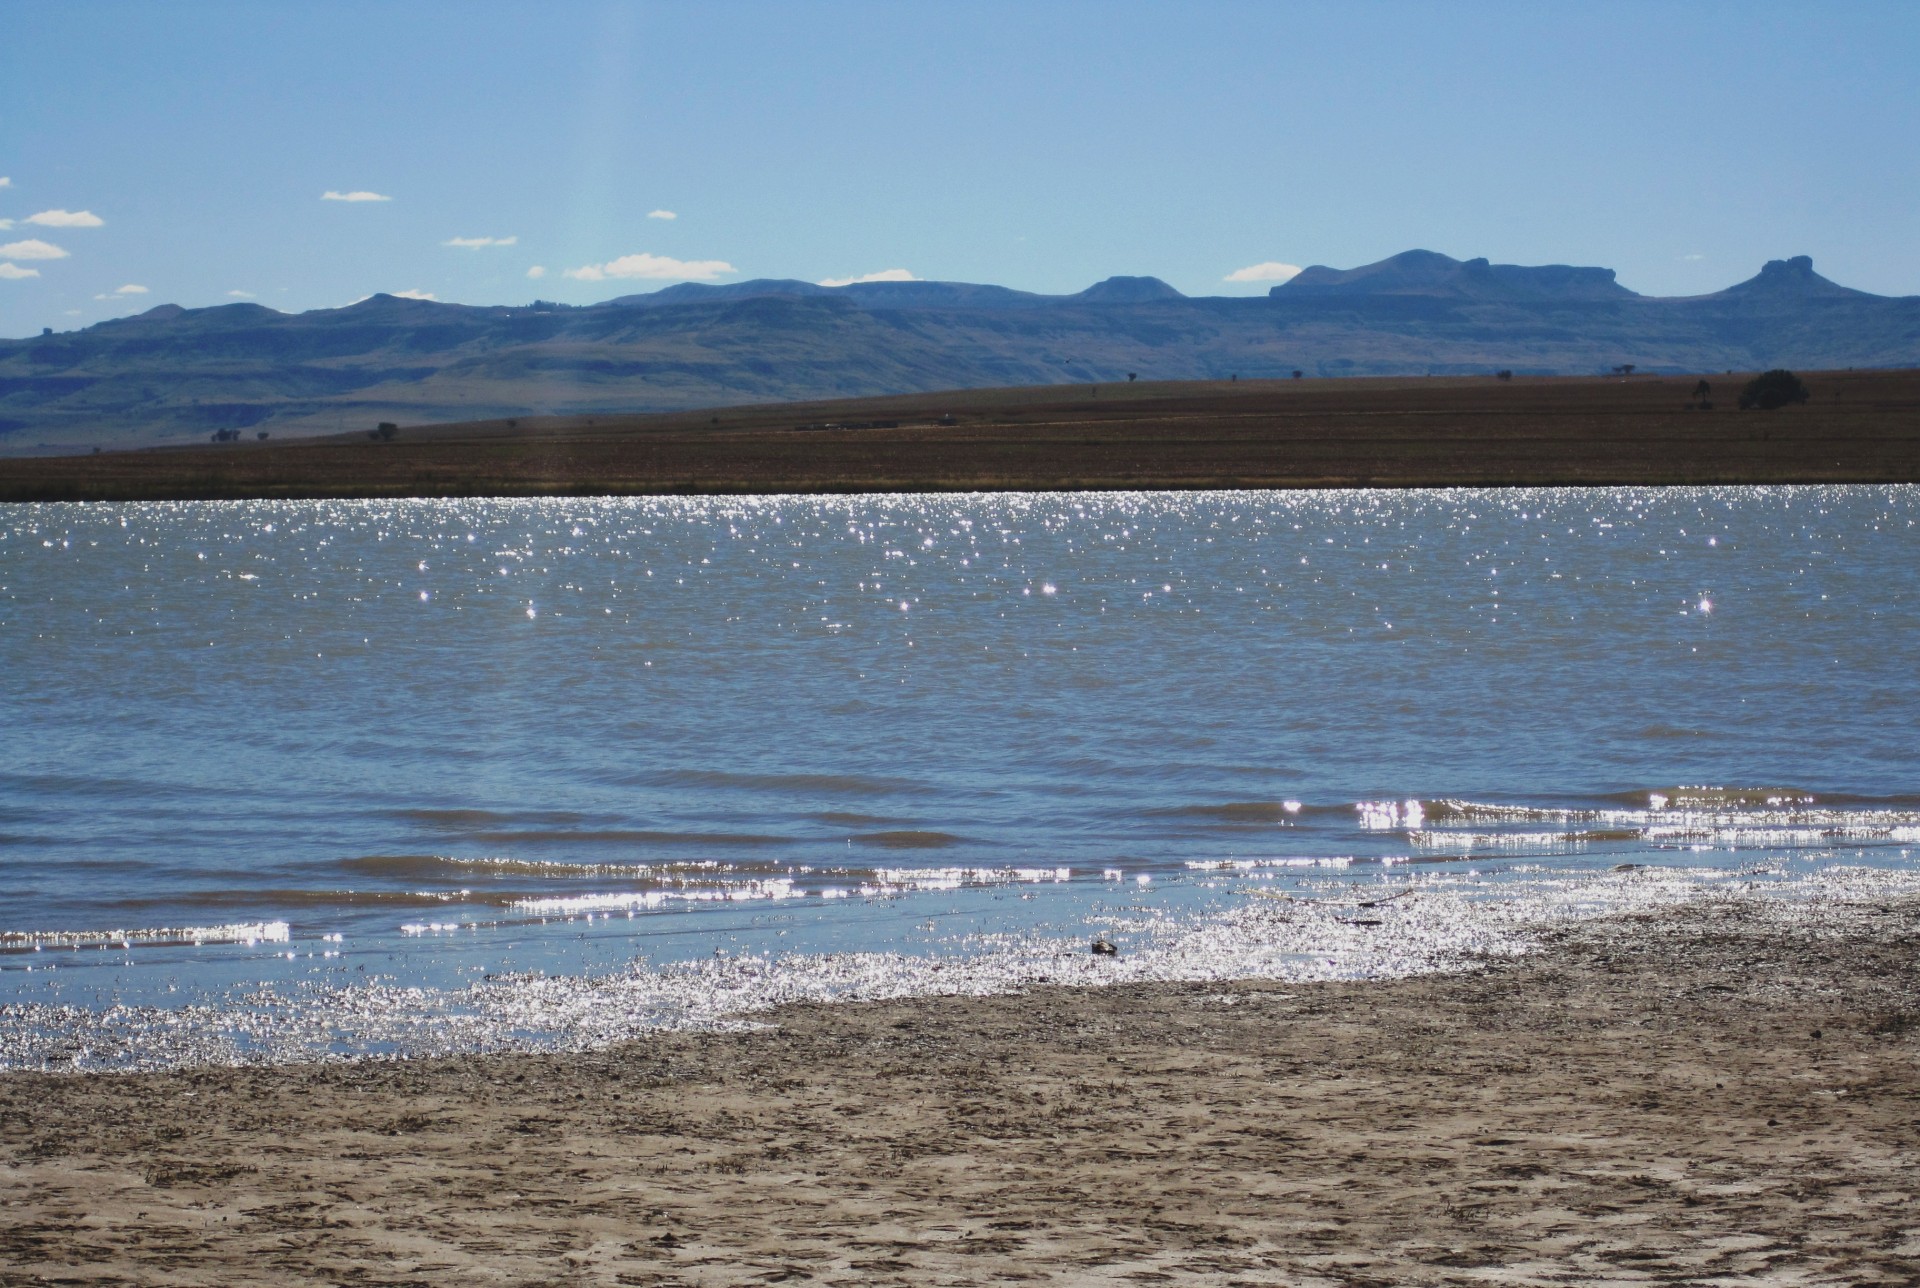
x=31, y=941
x=432, y=867
x=404, y=866
x=1753, y=801
x=1461, y=811
x=1720, y=798
x=285, y=899
x=1698, y=796
x=1234, y=811
x=643, y=900
x=1256, y=865
x=879, y=882
x=1892, y=800
x=1671, y=733
x=954, y=878
x=626, y=836
x=809, y=784
x=459, y=819
x=447, y=867
x=1467, y=840
x=907, y=840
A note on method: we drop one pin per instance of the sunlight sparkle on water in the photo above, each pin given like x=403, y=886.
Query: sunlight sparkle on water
x=713, y=756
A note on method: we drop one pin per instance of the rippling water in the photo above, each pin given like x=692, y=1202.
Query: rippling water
x=287, y=749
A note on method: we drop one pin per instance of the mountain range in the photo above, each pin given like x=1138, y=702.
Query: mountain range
x=173, y=374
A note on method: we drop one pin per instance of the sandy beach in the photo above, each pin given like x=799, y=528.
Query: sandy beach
x=1723, y=1093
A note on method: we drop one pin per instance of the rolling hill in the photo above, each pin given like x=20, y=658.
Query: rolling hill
x=175, y=375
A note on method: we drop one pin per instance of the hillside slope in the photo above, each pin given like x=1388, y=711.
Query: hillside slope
x=172, y=374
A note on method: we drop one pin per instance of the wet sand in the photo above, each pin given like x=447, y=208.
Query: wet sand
x=1726, y=1093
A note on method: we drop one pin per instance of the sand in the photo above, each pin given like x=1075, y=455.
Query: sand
x=1726, y=1093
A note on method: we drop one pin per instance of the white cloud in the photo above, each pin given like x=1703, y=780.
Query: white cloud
x=538, y=270
x=414, y=295
x=5, y=182
x=884, y=275
x=32, y=248
x=13, y=272
x=475, y=243
x=131, y=289
x=1271, y=271
x=331, y=195
x=656, y=267
x=5, y=224
x=661, y=214
x=65, y=219
x=1694, y=256
x=241, y=295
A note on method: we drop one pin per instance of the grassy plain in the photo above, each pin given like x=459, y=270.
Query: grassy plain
x=1861, y=426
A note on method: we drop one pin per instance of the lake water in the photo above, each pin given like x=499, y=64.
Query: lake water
x=284, y=779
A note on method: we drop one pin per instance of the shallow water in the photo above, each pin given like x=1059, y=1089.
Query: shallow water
x=259, y=753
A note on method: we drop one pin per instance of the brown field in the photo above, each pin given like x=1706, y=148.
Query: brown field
x=1405, y=432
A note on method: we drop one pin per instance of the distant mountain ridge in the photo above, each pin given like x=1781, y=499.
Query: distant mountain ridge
x=1425, y=272
x=174, y=374
x=900, y=295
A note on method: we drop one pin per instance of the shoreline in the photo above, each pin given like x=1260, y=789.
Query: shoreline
x=1722, y=1088
x=1859, y=427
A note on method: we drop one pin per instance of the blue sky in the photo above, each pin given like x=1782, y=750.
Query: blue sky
x=186, y=148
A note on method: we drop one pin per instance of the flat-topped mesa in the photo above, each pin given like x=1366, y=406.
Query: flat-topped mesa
x=1790, y=280
x=1429, y=273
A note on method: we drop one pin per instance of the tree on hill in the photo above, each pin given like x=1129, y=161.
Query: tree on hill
x=1771, y=390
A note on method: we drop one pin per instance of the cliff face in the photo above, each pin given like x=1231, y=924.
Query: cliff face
x=175, y=374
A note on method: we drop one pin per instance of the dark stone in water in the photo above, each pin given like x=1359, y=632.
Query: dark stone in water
x=1104, y=947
